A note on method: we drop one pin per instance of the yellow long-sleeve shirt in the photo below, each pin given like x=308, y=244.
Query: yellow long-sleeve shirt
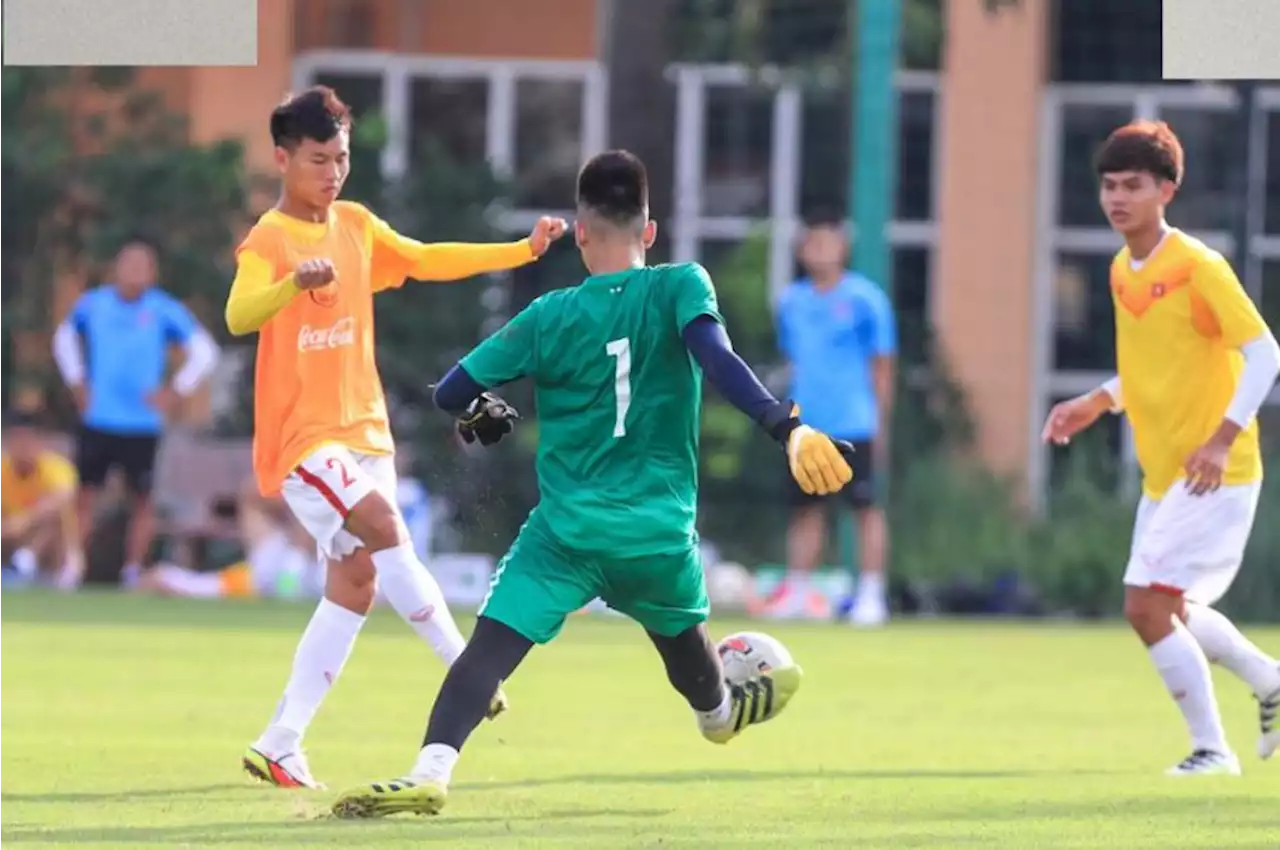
x=259, y=291
x=316, y=378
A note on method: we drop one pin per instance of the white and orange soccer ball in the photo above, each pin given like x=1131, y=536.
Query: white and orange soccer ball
x=750, y=655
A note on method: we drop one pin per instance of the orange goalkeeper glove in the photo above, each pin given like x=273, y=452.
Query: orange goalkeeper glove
x=818, y=463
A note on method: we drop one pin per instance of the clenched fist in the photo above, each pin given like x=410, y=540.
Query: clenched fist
x=313, y=274
x=546, y=231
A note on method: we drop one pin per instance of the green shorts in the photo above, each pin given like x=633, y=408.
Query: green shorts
x=540, y=581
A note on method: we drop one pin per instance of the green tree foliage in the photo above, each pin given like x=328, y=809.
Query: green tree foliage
x=811, y=36
x=77, y=182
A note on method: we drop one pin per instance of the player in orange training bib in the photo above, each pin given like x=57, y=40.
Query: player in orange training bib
x=305, y=279
x=1195, y=363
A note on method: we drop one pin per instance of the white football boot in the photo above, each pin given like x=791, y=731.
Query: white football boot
x=1206, y=763
x=1269, y=723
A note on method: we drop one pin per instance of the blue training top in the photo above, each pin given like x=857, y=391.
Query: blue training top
x=126, y=353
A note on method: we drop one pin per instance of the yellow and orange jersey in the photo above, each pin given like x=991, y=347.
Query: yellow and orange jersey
x=53, y=475
x=316, y=379
x=1181, y=317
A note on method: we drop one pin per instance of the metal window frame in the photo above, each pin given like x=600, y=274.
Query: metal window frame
x=398, y=70
x=690, y=226
x=1146, y=101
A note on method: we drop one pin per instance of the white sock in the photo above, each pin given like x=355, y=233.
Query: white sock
x=1185, y=670
x=1223, y=644
x=25, y=562
x=129, y=574
x=325, y=646
x=798, y=582
x=414, y=594
x=435, y=761
x=871, y=585
x=718, y=716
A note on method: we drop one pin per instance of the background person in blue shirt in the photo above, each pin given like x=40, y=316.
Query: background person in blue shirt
x=113, y=352
x=837, y=330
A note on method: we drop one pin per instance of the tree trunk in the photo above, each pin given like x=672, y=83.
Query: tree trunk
x=641, y=100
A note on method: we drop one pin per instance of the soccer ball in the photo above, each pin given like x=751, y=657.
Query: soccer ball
x=749, y=655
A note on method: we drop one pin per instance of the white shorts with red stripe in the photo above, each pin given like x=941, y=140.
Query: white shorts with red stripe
x=327, y=484
x=1192, y=545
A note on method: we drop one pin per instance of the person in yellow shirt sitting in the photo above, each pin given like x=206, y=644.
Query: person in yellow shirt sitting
x=37, y=504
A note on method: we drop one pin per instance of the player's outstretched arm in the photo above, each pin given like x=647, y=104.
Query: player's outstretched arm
x=450, y=261
x=254, y=296
x=818, y=463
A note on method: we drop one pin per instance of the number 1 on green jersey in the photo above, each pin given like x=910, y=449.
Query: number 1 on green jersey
x=620, y=350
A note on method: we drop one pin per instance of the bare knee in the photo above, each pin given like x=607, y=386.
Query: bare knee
x=351, y=583
x=375, y=522
x=1151, y=612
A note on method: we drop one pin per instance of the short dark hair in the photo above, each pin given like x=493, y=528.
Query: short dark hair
x=140, y=239
x=615, y=186
x=1147, y=146
x=317, y=114
x=824, y=217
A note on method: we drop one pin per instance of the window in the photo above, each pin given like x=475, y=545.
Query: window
x=363, y=93
x=1084, y=320
x=911, y=301
x=826, y=148
x=915, y=156
x=738, y=147
x=1212, y=142
x=449, y=115
x=1105, y=41
x=1084, y=128
x=1273, y=173
x=548, y=149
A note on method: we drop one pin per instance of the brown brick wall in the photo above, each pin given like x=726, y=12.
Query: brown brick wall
x=550, y=29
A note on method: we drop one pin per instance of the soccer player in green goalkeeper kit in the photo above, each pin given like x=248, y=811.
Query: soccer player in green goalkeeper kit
x=617, y=363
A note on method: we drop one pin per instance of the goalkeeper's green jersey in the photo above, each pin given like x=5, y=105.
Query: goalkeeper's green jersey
x=619, y=403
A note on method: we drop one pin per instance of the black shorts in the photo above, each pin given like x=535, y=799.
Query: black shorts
x=98, y=452
x=858, y=494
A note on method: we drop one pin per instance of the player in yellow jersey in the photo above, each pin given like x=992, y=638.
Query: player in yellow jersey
x=306, y=276
x=37, y=504
x=1195, y=363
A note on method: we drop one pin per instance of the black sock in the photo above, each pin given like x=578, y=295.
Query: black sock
x=491, y=656
x=693, y=667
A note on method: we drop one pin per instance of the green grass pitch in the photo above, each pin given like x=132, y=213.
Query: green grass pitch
x=124, y=719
